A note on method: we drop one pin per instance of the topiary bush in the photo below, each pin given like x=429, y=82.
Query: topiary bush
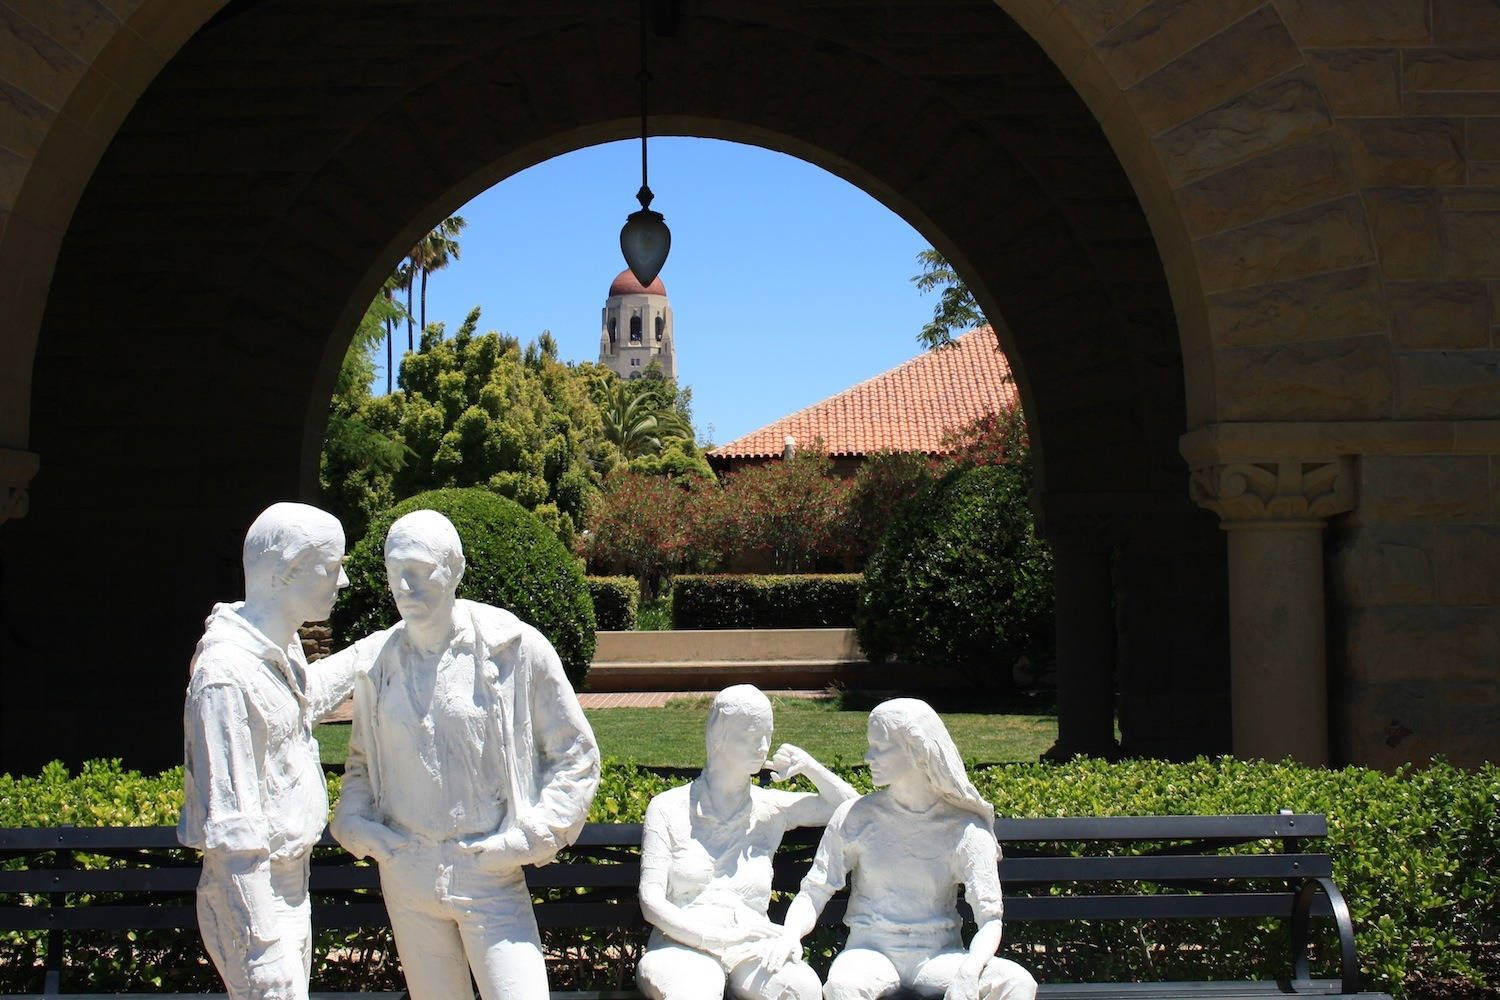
x=617, y=602
x=727, y=600
x=961, y=578
x=514, y=562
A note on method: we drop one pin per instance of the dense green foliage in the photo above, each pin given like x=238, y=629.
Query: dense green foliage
x=480, y=410
x=1416, y=853
x=961, y=578
x=617, y=601
x=514, y=562
x=750, y=601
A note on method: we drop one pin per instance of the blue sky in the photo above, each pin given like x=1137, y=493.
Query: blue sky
x=787, y=283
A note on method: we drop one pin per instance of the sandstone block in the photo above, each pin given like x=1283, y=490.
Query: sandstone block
x=1447, y=70
x=1281, y=111
x=1465, y=22
x=1381, y=565
x=1471, y=243
x=1320, y=307
x=1329, y=237
x=1450, y=103
x=1434, y=384
x=82, y=29
x=1464, y=560
x=24, y=122
x=1321, y=380
x=1485, y=173
x=1388, y=725
x=1405, y=223
x=1407, y=151
x=1163, y=30
x=1359, y=81
x=1453, y=314
x=1484, y=138
x=1095, y=17
x=1356, y=22
x=1275, y=183
x=1450, y=644
x=1251, y=51
x=1424, y=488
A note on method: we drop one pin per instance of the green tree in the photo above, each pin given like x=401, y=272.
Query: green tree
x=634, y=424
x=434, y=252
x=956, y=311
x=476, y=412
x=360, y=454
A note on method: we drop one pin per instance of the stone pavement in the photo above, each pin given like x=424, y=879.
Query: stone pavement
x=619, y=699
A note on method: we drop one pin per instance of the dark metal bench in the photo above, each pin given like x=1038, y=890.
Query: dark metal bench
x=1163, y=869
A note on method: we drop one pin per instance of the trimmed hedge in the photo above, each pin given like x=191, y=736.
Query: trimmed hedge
x=513, y=561
x=617, y=602
x=751, y=601
x=1416, y=852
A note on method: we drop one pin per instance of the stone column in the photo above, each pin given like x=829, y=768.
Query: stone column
x=16, y=470
x=1274, y=512
x=1084, y=617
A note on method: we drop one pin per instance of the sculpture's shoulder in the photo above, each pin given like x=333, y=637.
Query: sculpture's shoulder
x=669, y=807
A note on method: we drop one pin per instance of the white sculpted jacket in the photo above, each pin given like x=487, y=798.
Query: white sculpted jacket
x=252, y=781
x=551, y=759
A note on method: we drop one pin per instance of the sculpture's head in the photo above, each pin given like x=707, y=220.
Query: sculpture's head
x=294, y=558
x=908, y=741
x=738, y=734
x=424, y=562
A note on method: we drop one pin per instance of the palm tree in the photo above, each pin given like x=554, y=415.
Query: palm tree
x=631, y=426
x=433, y=252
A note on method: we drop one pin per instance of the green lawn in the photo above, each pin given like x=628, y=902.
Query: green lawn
x=829, y=730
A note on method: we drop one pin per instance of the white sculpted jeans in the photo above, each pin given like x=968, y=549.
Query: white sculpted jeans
x=449, y=916
x=873, y=964
x=251, y=969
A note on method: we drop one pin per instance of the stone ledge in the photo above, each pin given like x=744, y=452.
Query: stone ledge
x=1245, y=441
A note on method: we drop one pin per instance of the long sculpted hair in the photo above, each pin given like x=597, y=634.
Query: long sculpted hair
x=914, y=724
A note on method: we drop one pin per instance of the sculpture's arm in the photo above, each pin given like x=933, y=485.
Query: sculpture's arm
x=696, y=930
x=833, y=791
x=830, y=869
x=569, y=767
x=235, y=831
x=978, y=866
x=356, y=821
x=331, y=679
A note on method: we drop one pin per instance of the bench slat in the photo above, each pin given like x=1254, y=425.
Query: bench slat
x=1127, y=828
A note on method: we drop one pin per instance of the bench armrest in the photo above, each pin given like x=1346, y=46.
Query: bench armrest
x=1302, y=910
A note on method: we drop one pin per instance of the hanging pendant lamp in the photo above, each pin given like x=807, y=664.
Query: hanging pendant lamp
x=645, y=239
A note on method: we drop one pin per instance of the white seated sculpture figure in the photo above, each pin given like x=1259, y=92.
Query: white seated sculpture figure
x=908, y=846
x=469, y=757
x=254, y=796
x=706, y=855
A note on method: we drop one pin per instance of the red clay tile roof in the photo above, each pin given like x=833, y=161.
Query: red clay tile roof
x=626, y=283
x=909, y=408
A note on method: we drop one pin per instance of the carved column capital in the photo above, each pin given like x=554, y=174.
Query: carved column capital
x=16, y=470
x=1285, y=492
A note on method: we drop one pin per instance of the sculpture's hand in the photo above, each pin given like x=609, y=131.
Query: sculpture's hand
x=788, y=762
x=382, y=842
x=270, y=975
x=779, y=950
x=965, y=983
x=499, y=852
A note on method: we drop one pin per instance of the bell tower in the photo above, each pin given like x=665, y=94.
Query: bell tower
x=637, y=327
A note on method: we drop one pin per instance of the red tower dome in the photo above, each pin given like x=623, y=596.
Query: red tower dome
x=626, y=284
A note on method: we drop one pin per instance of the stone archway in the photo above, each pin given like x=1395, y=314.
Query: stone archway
x=1265, y=224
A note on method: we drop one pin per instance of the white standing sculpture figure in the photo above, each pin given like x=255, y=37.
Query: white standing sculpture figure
x=254, y=796
x=469, y=757
x=706, y=856
x=909, y=845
